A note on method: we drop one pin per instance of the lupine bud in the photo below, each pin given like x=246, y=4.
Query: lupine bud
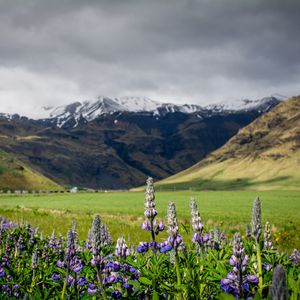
x=121, y=248
x=267, y=237
x=34, y=259
x=248, y=231
x=256, y=219
x=96, y=234
x=279, y=289
x=295, y=257
x=146, y=225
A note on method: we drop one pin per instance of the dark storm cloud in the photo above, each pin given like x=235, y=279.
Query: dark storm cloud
x=174, y=50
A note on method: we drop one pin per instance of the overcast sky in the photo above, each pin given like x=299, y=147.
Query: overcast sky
x=183, y=51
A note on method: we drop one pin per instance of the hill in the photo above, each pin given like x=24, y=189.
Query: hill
x=15, y=175
x=119, y=150
x=262, y=155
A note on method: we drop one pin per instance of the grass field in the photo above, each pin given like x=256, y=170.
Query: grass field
x=123, y=212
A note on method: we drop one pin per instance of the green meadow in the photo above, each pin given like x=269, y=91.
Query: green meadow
x=123, y=212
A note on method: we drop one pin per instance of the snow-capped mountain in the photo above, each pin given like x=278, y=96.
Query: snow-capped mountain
x=262, y=105
x=89, y=110
x=83, y=112
x=73, y=114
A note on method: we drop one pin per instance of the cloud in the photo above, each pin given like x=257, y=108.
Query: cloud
x=194, y=51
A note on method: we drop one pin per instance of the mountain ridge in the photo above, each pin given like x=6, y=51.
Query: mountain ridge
x=265, y=154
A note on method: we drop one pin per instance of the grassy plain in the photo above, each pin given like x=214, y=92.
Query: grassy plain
x=123, y=212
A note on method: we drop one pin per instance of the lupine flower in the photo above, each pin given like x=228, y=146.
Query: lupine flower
x=92, y=289
x=279, y=289
x=53, y=243
x=34, y=259
x=121, y=248
x=174, y=240
x=106, y=238
x=267, y=237
x=150, y=213
x=256, y=219
x=116, y=294
x=143, y=247
x=55, y=277
x=295, y=257
x=96, y=235
x=81, y=281
x=2, y=272
x=196, y=223
x=237, y=282
x=75, y=236
x=70, y=250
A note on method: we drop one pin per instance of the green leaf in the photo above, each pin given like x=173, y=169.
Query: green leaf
x=145, y=281
x=155, y=295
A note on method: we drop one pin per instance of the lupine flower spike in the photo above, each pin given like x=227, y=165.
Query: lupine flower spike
x=122, y=250
x=256, y=232
x=197, y=225
x=150, y=224
x=238, y=283
x=279, y=289
x=267, y=237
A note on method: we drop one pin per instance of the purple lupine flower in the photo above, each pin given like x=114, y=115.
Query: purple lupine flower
x=106, y=238
x=267, y=237
x=114, y=265
x=146, y=225
x=70, y=250
x=295, y=257
x=150, y=213
x=71, y=281
x=96, y=235
x=75, y=236
x=81, y=281
x=113, y=278
x=92, y=289
x=76, y=265
x=53, y=243
x=34, y=259
x=2, y=272
x=116, y=294
x=55, y=277
x=121, y=248
x=61, y=264
x=143, y=247
x=237, y=282
x=174, y=240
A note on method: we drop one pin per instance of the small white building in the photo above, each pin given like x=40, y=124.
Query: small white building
x=74, y=189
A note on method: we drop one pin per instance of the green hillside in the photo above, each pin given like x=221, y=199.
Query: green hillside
x=14, y=175
x=263, y=155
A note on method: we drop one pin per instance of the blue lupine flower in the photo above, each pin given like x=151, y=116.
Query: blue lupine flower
x=55, y=277
x=2, y=272
x=236, y=283
x=81, y=281
x=166, y=249
x=143, y=247
x=92, y=289
x=116, y=294
x=114, y=265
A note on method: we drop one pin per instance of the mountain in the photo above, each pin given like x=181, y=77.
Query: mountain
x=83, y=144
x=76, y=113
x=262, y=155
x=15, y=175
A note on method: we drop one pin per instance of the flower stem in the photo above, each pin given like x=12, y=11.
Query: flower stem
x=259, y=265
x=65, y=286
x=99, y=277
x=178, y=276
